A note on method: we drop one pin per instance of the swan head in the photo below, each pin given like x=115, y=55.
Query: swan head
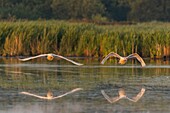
x=49, y=95
x=122, y=60
x=122, y=93
x=50, y=57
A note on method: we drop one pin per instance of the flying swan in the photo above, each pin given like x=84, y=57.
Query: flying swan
x=50, y=94
x=50, y=57
x=123, y=60
x=122, y=95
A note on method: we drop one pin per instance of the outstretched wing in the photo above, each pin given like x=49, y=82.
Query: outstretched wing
x=29, y=58
x=111, y=100
x=109, y=55
x=135, y=55
x=138, y=96
x=30, y=94
x=72, y=91
x=79, y=64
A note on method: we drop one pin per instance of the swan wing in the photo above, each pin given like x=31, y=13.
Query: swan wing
x=138, y=96
x=29, y=58
x=34, y=95
x=79, y=64
x=109, y=55
x=111, y=100
x=135, y=55
x=72, y=91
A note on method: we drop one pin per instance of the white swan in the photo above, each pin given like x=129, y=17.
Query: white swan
x=50, y=94
x=50, y=56
x=122, y=95
x=123, y=60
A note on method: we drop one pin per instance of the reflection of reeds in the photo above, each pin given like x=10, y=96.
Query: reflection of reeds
x=55, y=76
x=78, y=39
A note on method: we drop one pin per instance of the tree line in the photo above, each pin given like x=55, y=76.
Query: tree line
x=97, y=10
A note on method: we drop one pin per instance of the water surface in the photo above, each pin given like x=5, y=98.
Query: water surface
x=39, y=75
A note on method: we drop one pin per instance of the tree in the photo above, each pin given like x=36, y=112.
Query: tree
x=116, y=9
x=148, y=10
x=91, y=8
x=76, y=9
x=60, y=9
x=25, y=9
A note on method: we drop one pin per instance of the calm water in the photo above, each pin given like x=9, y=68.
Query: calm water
x=38, y=76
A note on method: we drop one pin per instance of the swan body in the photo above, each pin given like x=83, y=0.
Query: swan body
x=50, y=94
x=50, y=57
x=122, y=95
x=123, y=60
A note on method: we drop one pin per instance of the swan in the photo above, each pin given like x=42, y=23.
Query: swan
x=50, y=94
x=50, y=57
x=122, y=95
x=123, y=60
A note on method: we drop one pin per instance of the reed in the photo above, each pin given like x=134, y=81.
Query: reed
x=84, y=39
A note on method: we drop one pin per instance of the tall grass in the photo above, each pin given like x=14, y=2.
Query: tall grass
x=83, y=39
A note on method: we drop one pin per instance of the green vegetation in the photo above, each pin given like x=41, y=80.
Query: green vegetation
x=89, y=10
x=83, y=39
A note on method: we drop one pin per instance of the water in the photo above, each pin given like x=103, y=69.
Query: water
x=39, y=75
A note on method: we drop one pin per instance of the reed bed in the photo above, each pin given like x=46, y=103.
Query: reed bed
x=84, y=39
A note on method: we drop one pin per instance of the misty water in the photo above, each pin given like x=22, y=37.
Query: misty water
x=39, y=75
